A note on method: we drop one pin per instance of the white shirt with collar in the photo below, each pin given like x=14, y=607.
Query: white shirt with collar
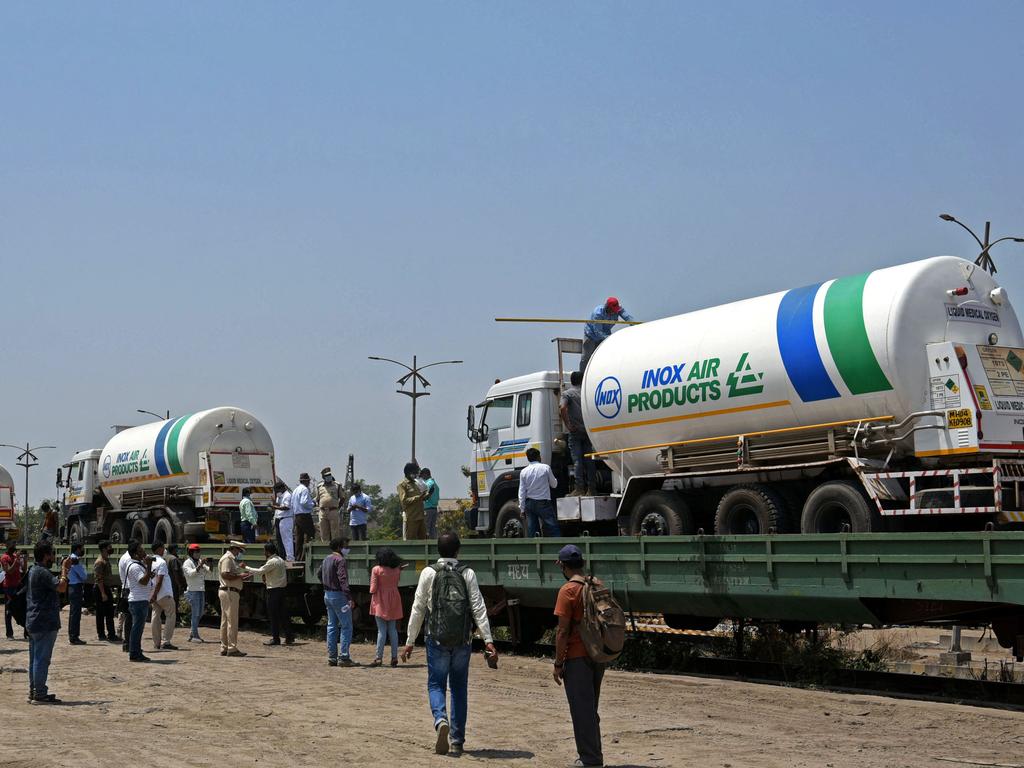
x=421, y=602
x=122, y=568
x=536, y=482
x=195, y=574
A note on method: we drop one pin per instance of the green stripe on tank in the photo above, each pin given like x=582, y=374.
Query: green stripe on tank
x=848, y=337
x=173, y=459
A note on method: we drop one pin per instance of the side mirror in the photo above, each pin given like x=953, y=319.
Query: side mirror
x=60, y=477
x=471, y=423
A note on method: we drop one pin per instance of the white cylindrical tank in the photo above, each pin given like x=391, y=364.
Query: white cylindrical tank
x=166, y=453
x=842, y=349
x=6, y=496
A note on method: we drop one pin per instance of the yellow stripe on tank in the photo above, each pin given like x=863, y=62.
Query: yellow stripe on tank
x=688, y=416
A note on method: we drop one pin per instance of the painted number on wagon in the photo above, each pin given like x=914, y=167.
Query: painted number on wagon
x=518, y=571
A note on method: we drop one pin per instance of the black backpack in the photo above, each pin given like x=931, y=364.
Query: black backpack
x=18, y=602
x=450, y=620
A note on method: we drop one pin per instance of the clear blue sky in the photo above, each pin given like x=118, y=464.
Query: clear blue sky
x=236, y=203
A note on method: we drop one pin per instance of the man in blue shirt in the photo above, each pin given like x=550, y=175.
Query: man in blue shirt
x=77, y=576
x=359, y=506
x=430, y=503
x=594, y=333
x=42, y=619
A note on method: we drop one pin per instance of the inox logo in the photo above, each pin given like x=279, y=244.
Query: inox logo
x=608, y=397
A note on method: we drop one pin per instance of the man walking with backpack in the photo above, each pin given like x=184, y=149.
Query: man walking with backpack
x=591, y=632
x=449, y=596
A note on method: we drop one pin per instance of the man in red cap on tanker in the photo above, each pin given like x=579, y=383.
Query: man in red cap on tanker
x=595, y=332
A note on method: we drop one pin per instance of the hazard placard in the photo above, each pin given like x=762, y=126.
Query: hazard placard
x=959, y=418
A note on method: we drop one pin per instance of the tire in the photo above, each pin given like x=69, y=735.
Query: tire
x=76, y=532
x=747, y=510
x=119, y=532
x=510, y=523
x=163, y=531
x=196, y=532
x=835, y=504
x=143, y=531
x=661, y=513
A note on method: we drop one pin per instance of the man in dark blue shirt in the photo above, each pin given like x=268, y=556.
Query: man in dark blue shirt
x=42, y=620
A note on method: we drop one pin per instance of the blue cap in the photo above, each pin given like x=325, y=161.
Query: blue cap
x=570, y=555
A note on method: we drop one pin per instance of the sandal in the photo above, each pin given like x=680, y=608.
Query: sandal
x=376, y=663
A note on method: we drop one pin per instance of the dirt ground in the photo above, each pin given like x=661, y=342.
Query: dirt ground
x=285, y=706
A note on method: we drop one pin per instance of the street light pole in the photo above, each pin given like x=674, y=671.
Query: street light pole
x=416, y=394
x=984, y=260
x=26, y=459
x=155, y=415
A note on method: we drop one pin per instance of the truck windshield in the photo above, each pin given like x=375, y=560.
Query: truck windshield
x=498, y=414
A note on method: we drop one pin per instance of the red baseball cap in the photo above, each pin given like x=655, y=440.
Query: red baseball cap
x=193, y=547
x=613, y=304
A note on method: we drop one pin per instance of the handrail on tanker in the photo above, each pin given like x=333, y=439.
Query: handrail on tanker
x=744, y=435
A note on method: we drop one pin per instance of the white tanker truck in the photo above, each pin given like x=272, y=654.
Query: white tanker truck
x=7, y=502
x=884, y=400
x=174, y=480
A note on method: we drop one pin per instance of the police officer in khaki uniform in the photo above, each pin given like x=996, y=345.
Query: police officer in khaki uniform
x=328, y=499
x=232, y=576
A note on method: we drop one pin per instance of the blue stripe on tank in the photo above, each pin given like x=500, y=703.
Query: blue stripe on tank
x=159, y=451
x=794, y=326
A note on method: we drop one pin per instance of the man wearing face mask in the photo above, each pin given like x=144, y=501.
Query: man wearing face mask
x=411, y=495
x=573, y=666
x=328, y=499
x=302, y=511
x=338, y=600
x=284, y=521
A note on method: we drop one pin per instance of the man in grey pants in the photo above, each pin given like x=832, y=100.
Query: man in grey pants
x=573, y=666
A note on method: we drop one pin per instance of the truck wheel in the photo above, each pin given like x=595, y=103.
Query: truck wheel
x=836, y=504
x=142, y=531
x=661, y=513
x=119, y=532
x=196, y=532
x=76, y=533
x=163, y=531
x=747, y=510
x=510, y=523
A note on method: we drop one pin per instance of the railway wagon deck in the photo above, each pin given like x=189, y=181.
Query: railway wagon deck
x=876, y=579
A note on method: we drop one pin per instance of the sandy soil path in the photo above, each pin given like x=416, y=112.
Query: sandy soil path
x=284, y=706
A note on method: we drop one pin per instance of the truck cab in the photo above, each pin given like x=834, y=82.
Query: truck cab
x=83, y=500
x=517, y=414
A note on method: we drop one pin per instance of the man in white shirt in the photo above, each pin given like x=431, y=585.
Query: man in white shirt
x=302, y=511
x=448, y=664
x=162, y=602
x=139, y=581
x=535, y=484
x=284, y=521
x=124, y=619
x=195, y=569
x=275, y=578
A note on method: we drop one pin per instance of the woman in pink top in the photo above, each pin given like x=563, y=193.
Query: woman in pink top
x=386, y=602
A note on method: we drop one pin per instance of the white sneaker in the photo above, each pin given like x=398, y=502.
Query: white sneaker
x=441, y=745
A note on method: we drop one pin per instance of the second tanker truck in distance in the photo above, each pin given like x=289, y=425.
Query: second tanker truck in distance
x=888, y=400
x=6, y=504
x=174, y=480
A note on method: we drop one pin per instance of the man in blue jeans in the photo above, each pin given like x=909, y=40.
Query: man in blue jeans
x=42, y=620
x=536, y=482
x=453, y=602
x=334, y=577
x=139, y=581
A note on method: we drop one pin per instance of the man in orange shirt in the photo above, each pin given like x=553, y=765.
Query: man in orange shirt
x=573, y=667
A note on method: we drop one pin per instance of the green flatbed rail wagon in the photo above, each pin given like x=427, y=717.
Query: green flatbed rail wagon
x=878, y=579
